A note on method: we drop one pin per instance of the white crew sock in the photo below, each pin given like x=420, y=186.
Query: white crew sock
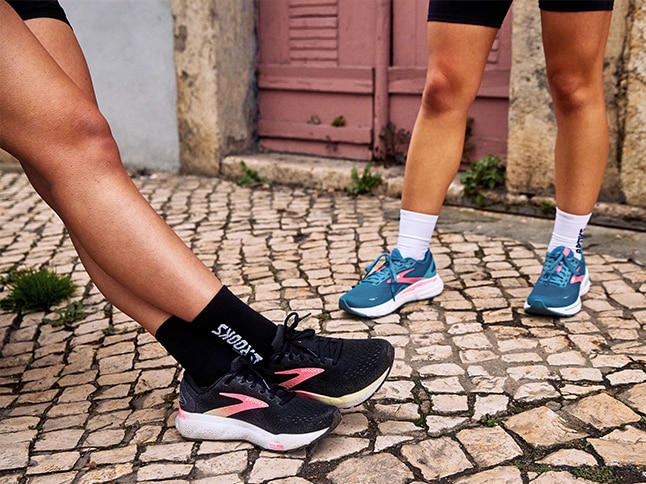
x=415, y=231
x=568, y=232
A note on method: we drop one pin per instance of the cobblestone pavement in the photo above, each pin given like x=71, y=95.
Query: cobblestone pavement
x=480, y=392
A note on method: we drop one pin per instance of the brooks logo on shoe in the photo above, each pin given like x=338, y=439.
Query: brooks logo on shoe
x=402, y=279
x=246, y=403
x=302, y=374
x=576, y=279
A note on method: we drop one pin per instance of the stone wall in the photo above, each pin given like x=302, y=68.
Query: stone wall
x=633, y=153
x=215, y=48
x=532, y=129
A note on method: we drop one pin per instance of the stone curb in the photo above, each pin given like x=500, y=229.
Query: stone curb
x=335, y=174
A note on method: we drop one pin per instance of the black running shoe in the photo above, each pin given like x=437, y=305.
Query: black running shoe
x=246, y=405
x=341, y=372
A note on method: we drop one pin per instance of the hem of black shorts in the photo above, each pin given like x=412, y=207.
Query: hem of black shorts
x=466, y=21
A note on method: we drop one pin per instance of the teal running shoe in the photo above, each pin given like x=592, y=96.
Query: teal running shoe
x=560, y=286
x=398, y=281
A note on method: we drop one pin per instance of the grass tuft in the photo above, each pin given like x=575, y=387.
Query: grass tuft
x=35, y=290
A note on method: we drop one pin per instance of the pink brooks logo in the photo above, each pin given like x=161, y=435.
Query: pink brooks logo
x=246, y=403
x=577, y=279
x=302, y=374
x=402, y=279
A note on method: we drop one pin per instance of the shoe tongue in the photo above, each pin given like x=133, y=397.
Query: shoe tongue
x=237, y=364
x=279, y=340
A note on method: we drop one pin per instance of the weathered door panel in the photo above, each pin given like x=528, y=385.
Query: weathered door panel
x=316, y=77
x=363, y=62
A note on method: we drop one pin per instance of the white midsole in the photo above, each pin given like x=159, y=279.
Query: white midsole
x=199, y=426
x=418, y=291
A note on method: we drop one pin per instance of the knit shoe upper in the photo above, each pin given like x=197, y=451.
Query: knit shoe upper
x=342, y=372
x=246, y=404
x=397, y=281
x=559, y=288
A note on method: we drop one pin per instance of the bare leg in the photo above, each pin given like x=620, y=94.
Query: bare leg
x=457, y=57
x=50, y=122
x=574, y=45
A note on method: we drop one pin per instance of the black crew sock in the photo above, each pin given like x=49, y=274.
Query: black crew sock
x=232, y=321
x=205, y=359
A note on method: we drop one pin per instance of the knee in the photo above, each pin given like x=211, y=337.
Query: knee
x=445, y=91
x=571, y=92
x=90, y=127
x=92, y=142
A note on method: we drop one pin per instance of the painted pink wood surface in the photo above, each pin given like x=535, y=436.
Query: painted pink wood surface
x=364, y=60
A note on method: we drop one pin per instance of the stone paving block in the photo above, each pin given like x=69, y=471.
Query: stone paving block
x=522, y=358
x=228, y=463
x=441, y=369
x=383, y=442
x=533, y=372
x=352, y=423
x=105, y=474
x=113, y=456
x=635, y=397
x=499, y=475
x=542, y=427
x=581, y=374
x=626, y=376
x=58, y=440
x=602, y=411
x=59, y=462
x=574, y=391
x=397, y=427
x=443, y=385
x=371, y=468
x=490, y=405
x=104, y=438
x=559, y=477
x=448, y=459
x=332, y=448
x=449, y=403
x=569, y=457
x=438, y=424
x=622, y=447
x=533, y=392
x=567, y=358
x=15, y=456
x=157, y=472
x=265, y=469
x=54, y=478
x=489, y=446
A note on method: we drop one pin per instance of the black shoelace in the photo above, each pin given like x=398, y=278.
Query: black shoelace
x=298, y=344
x=257, y=375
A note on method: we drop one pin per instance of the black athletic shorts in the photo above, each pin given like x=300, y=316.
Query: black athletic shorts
x=491, y=13
x=29, y=9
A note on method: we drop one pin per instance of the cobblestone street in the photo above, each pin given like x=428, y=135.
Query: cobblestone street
x=480, y=392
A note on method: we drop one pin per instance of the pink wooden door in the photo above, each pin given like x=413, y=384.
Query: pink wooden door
x=333, y=73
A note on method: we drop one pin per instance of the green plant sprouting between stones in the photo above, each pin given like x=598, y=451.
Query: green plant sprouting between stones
x=363, y=184
x=486, y=173
x=35, y=290
x=68, y=315
x=250, y=176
